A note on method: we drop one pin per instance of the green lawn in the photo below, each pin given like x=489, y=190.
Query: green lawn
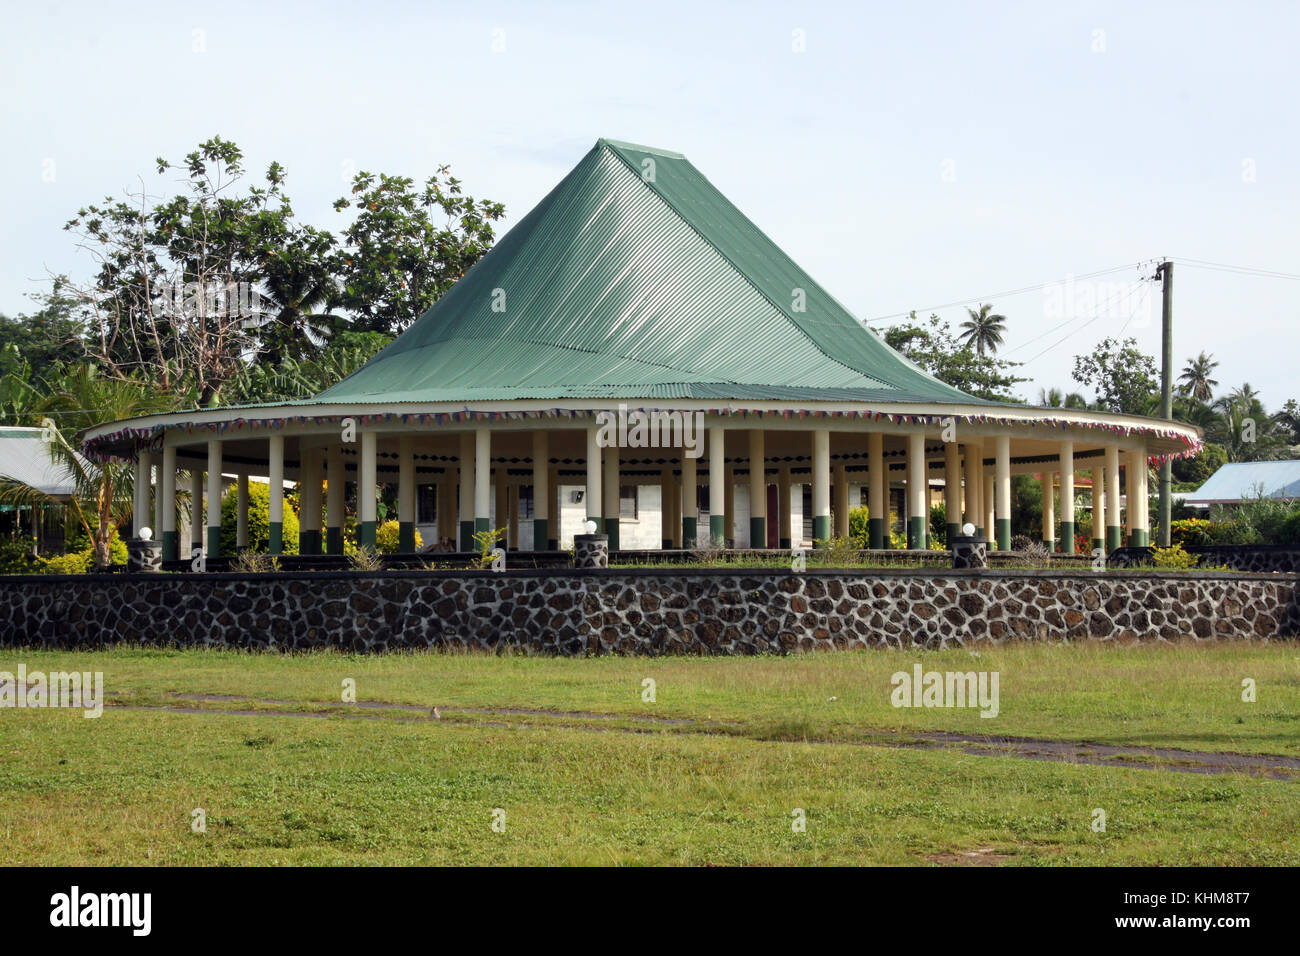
x=588, y=772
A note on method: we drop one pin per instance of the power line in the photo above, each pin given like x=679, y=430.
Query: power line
x=1129, y=290
x=1240, y=270
x=1003, y=295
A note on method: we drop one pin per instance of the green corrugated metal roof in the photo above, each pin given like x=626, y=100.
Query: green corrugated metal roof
x=636, y=281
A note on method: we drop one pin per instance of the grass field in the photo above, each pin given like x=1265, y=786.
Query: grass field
x=712, y=771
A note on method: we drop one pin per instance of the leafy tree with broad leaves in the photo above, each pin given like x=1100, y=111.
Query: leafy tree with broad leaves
x=933, y=346
x=1122, y=377
x=396, y=257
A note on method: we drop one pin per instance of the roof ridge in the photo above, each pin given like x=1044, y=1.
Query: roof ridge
x=650, y=184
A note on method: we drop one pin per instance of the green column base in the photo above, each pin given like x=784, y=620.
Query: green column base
x=758, y=531
x=275, y=543
x=467, y=536
x=916, y=533
x=821, y=530
x=171, y=544
x=481, y=525
x=690, y=530
x=1098, y=544
x=406, y=537
x=214, y=542
x=876, y=534
x=1139, y=539
x=611, y=530
x=1067, y=537
x=333, y=540
x=598, y=521
x=1003, y=526
x=954, y=530
x=1114, y=537
x=717, y=529
x=1049, y=544
x=979, y=531
x=541, y=533
x=785, y=544
x=309, y=542
x=366, y=535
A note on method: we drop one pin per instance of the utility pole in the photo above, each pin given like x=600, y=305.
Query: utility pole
x=1166, y=273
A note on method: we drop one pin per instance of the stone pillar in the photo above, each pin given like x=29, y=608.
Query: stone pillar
x=1067, y=497
x=916, y=492
x=541, y=491
x=482, y=480
x=841, y=501
x=1099, y=508
x=1002, y=481
x=757, y=490
x=198, y=522
x=593, y=495
x=406, y=494
x=214, y=499
x=952, y=488
x=171, y=548
x=612, y=507
x=784, y=533
x=717, y=489
x=275, y=494
x=690, y=507
x=969, y=552
x=877, y=496
x=1049, y=512
x=1114, y=529
x=821, y=491
x=975, y=487
x=241, y=512
x=590, y=551
x=336, y=480
x=309, y=478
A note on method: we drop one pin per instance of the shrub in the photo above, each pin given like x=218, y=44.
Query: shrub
x=1190, y=531
x=79, y=542
x=858, y=524
x=1173, y=557
x=388, y=538
x=939, y=527
x=16, y=558
x=259, y=520
x=1022, y=542
x=79, y=562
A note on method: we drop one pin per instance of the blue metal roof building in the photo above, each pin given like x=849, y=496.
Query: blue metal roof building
x=1248, y=479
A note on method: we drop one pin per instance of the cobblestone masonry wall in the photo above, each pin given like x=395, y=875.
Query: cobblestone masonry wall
x=646, y=612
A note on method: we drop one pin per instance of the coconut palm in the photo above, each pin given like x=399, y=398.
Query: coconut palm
x=1195, y=379
x=104, y=489
x=1056, y=398
x=982, y=330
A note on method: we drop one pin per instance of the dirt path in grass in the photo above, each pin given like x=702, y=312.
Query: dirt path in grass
x=1275, y=766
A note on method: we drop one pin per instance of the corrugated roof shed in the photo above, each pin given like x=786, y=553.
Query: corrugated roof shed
x=25, y=457
x=635, y=277
x=1247, y=479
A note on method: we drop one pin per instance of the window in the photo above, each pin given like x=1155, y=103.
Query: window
x=525, y=502
x=627, y=503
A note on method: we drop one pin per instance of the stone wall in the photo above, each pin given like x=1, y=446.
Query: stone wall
x=643, y=612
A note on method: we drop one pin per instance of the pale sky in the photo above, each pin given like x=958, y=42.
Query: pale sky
x=910, y=156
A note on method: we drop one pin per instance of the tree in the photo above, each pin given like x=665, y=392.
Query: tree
x=1197, y=469
x=933, y=347
x=1055, y=398
x=1288, y=419
x=103, y=496
x=45, y=339
x=396, y=259
x=175, y=293
x=297, y=284
x=983, y=331
x=1195, y=380
x=1245, y=429
x=1123, y=378
x=290, y=379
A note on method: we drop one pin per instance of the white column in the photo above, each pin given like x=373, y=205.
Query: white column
x=1114, y=514
x=171, y=546
x=877, y=497
x=335, y=479
x=1002, y=479
x=952, y=487
x=468, y=489
x=140, y=517
x=482, y=479
x=690, y=507
x=214, y=499
x=757, y=490
x=821, y=482
x=785, y=536
x=717, y=487
x=406, y=486
x=1099, y=505
x=367, y=478
x=198, y=521
x=542, y=528
x=595, y=464
x=158, y=498
x=275, y=480
x=1049, y=509
x=974, y=513
x=917, y=512
x=1067, y=497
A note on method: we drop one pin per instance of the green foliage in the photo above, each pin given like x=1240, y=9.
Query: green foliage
x=983, y=331
x=1257, y=520
x=290, y=379
x=388, y=538
x=1190, y=531
x=1173, y=557
x=1197, y=469
x=859, y=525
x=16, y=558
x=259, y=520
x=939, y=526
x=933, y=346
x=1123, y=378
x=117, y=552
x=485, y=542
x=396, y=260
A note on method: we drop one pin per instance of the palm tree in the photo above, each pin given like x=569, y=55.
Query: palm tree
x=298, y=283
x=1195, y=378
x=1055, y=398
x=982, y=330
x=103, y=496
